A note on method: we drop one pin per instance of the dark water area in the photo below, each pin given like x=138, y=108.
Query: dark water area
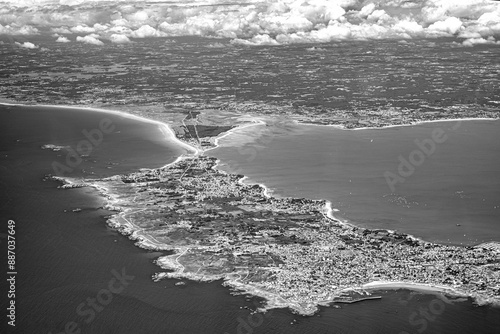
x=399, y=178
x=68, y=262
x=91, y=143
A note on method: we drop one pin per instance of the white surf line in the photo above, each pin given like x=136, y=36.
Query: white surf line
x=422, y=287
x=254, y=122
x=163, y=127
x=329, y=213
x=267, y=192
x=428, y=121
x=141, y=232
x=341, y=127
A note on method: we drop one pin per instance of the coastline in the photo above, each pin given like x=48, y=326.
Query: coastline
x=341, y=127
x=135, y=232
x=255, y=121
x=163, y=127
x=380, y=285
x=274, y=300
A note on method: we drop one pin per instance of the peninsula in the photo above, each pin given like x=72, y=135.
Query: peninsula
x=290, y=251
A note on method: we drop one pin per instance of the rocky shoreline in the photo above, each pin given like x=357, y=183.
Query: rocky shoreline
x=286, y=250
x=290, y=251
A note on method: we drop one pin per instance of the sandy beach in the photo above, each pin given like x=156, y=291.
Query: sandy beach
x=341, y=127
x=424, y=122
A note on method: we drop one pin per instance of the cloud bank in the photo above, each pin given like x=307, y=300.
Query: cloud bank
x=253, y=22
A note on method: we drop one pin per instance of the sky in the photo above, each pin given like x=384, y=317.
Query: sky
x=252, y=22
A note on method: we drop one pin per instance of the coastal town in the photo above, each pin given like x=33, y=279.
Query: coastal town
x=290, y=251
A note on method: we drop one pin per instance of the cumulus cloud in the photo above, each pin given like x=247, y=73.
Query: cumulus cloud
x=82, y=29
x=15, y=29
x=27, y=45
x=119, y=39
x=487, y=25
x=216, y=45
x=120, y=30
x=139, y=16
x=61, y=30
x=407, y=29
x=255, y=22
x=449, y=26
x=62, y=39
x=89, y=39
x=474, y=41
x=146, y=31
x=367, y=10
x=257, y=40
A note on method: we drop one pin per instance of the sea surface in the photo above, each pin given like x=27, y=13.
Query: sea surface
x=66, y=258
x=439, y=181
x=89, y=143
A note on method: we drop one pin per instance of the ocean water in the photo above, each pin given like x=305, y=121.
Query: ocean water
x=439, y=181
x=65, y=259
x=100, y=140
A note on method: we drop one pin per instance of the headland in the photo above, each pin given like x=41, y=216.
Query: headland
x=290, y=251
